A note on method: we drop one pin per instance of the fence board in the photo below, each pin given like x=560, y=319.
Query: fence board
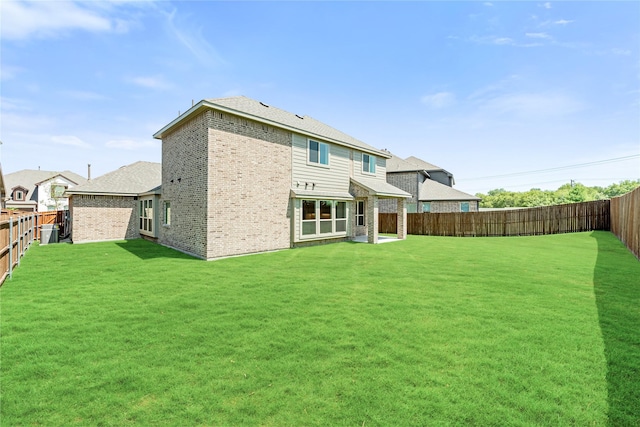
x=17, y=233
x=566, y=218
x=625, y=220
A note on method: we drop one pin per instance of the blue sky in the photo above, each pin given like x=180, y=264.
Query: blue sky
x=511, y=95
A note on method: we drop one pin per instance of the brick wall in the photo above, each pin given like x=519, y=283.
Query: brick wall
x=97, y=218
x=249, y=185
x=451, y=206
x=184, y=185
x=230, y=190
x=406, y=181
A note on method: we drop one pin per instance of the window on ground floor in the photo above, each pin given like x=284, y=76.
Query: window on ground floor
x=426, y=206
x=323, y=217
x=146, y=215
x=464, y=206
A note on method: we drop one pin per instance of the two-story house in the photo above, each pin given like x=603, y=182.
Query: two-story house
x=430, y=186
x=39, y=190
x=240, y=176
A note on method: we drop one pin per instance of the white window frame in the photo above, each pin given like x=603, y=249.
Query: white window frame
x=320, y=220
x=321, y=145
x=146, y=216
x=361, y=213
x=18, y=195
x=371, y=162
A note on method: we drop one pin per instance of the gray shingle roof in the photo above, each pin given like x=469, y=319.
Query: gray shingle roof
x=136, y=178
x=396, y=164
x=380, y=188
x=423, y=165
x=259, y=111
x=432, y=190
x=28, y=178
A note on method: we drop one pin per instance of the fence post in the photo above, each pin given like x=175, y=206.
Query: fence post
x=10, y=247
x=19, y=239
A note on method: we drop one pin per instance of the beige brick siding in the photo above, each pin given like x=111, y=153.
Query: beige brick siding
x=97, y=218
x=451, y=206
x=184, y=185
x=404, y=181
x=231, y=183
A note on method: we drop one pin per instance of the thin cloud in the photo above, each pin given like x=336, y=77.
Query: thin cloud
x=530, y=105
x=488, y=4
x=563, y=22
x=546, y=5
x=538, y=35
x=69, y=140
x=193, y=40
x=439, y=100
x=21, y=20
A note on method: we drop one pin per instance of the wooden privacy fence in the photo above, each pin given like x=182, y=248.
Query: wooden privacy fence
x=17, y=232
x=625, y=220
x=567, y=218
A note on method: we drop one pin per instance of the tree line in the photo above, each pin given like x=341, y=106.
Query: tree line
x=567, y=193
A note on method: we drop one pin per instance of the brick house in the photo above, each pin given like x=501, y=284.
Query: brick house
x=240, y=176
x=430, y=186
x=118, y=205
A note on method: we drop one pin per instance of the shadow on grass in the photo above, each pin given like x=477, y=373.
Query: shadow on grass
x=617, y=290
x=144, y=249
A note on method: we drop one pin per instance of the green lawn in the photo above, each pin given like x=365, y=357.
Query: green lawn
x=515, y=331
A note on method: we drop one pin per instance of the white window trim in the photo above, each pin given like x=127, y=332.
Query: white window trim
x=372, y=164
x=317, y=220
x=318, y=164
x=147, y=213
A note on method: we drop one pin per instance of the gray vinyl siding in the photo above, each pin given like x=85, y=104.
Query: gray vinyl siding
x=334, y=178
x=381, y=168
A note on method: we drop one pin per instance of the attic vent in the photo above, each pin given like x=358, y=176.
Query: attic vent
x=264, y=105
x=300, y=117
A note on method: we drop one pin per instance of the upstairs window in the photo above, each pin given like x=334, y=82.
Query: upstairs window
x=18, y=195
x=368, y=164
x=318, y=153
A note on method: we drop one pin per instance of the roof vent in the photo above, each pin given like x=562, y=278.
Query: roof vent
x=264, y=105
x=300, y=117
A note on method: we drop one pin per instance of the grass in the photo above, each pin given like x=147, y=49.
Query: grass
x=430, y=331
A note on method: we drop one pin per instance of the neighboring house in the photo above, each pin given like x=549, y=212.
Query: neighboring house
x=240, y=176
x=430, y=187
x=39, y=191
x=3, y=190
x=118, y=205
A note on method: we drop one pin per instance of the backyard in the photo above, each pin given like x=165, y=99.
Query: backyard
x=514, y=331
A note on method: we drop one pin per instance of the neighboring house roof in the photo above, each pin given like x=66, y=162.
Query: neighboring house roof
x=380, y=188
x=130, y=180
x=432, y=190
x=255, y=110
x=29, y=179
x=424, y=165
x=396, y=164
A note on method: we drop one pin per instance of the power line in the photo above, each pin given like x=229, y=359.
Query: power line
x=559, y=168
